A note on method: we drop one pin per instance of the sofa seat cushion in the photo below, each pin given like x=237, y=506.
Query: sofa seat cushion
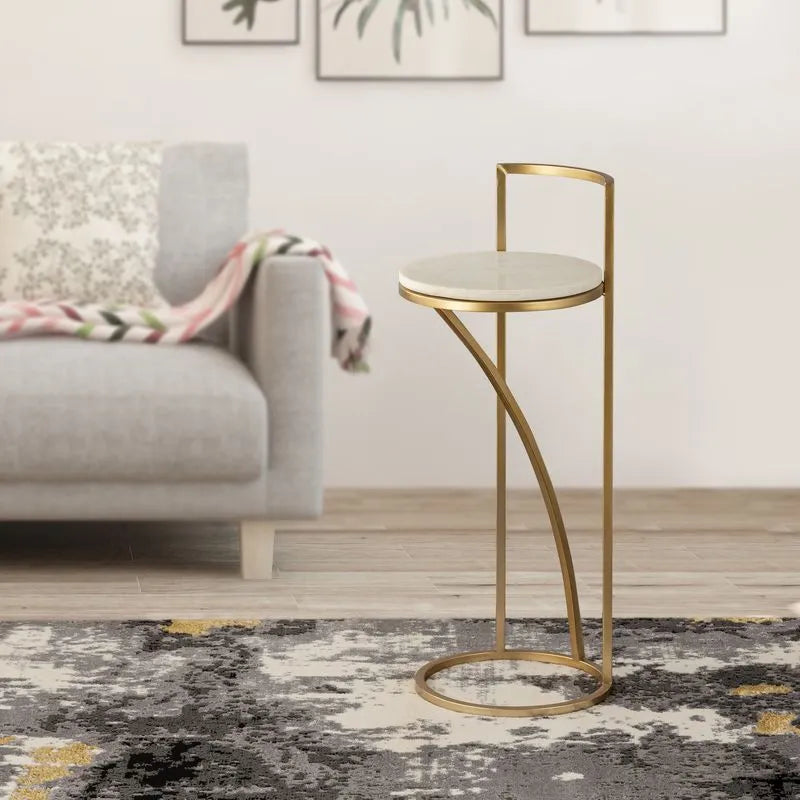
x=74, y=410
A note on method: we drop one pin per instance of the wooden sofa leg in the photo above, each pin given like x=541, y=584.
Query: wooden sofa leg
x=257, y=549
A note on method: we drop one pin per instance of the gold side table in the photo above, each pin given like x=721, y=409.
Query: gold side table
x=502, y=282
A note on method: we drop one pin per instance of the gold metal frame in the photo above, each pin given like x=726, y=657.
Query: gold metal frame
x=507, y=406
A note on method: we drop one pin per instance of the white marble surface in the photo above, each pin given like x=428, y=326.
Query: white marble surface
x=512, y=276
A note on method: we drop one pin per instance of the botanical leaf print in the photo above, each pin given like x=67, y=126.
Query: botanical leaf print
x=79, y=222
x=68, y=185
x=112, y=271
x=406, y=9
x=246, y=10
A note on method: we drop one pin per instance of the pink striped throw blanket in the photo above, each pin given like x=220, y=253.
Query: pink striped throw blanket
x=175, y=324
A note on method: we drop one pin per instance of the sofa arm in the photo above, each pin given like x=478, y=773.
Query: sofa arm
x=279, y=329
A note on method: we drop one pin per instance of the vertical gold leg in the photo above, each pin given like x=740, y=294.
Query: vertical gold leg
x=608, y=440
x=501, y=491
x=501, y=548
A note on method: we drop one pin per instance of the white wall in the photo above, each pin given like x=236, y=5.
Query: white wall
x=703, y=135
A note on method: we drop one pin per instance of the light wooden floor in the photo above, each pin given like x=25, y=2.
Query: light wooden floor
x=419, y=554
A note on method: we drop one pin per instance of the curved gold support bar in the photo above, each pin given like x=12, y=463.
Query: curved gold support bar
x=540, y=470
x=508, y=405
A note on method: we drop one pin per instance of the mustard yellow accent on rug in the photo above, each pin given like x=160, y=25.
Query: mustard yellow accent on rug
x=30, y=794
x=51, y=764
x=771, y=724
x=203, y=711
x=755, y=689
x=202, y=627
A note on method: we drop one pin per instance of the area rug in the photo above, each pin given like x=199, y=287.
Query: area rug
x=325, y=710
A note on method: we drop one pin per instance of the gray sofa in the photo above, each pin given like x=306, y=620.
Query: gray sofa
x=228, y=429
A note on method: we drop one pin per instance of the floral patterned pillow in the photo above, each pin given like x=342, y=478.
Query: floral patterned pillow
x=79, y=222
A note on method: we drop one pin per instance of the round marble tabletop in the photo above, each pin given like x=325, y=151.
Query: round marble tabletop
x=501, y=277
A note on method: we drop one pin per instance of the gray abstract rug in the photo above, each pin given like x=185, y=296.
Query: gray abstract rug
x=313, y=710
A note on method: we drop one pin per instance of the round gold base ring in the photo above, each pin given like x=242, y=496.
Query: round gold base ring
x=546, y=709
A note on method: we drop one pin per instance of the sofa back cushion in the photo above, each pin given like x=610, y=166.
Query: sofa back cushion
x=203, y=212
x=79, y=222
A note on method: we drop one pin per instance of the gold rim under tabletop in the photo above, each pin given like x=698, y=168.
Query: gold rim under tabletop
x=545, y=709
x=553, y=304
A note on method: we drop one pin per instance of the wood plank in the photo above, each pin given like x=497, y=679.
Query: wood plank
x=418, y=553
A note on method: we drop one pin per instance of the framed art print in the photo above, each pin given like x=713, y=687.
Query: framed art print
x=241, y=21
x=402, y=40
x=626, y=16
